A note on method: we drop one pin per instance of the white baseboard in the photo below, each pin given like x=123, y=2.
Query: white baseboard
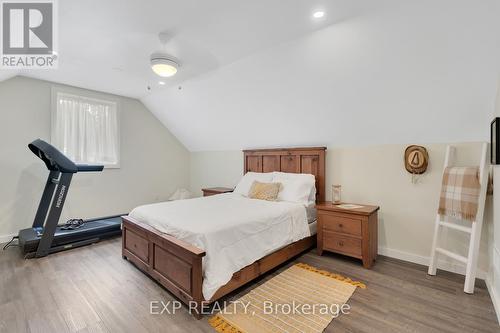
x=417, y=259
x=6, y=238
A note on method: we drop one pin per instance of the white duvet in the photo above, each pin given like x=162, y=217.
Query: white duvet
x=234, y=231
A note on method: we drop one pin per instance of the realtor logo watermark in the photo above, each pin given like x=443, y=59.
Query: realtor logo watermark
x=266, y=308
x=29, y=34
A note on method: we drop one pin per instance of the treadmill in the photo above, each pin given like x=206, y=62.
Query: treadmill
x=46, y=236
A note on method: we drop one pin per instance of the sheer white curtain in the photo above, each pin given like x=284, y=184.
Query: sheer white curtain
x=86, y=129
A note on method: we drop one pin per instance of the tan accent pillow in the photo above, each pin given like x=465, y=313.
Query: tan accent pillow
x=264, y=191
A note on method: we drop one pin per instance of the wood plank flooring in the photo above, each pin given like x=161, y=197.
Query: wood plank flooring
x=92, y=289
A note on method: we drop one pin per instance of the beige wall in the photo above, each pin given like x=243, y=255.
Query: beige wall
x=215, y=168
x=372, y=175
x=153, y=162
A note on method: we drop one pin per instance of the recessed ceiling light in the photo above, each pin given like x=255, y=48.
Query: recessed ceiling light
x=319, y=14
x=161, y=83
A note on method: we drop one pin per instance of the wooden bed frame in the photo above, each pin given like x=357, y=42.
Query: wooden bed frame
x=177, y=265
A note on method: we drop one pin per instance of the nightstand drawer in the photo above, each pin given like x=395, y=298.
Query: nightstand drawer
x=343, y=244
x=341, y=224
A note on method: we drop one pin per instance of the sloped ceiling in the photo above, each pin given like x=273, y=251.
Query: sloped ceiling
x=264, y=73
x=106, y=45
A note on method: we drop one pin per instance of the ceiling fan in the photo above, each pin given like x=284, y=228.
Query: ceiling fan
x=162, y=63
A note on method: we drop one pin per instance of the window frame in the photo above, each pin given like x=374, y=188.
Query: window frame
x=92, y=96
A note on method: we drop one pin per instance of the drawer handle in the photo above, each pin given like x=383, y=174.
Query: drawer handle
x=341, y=243
x=341, y=225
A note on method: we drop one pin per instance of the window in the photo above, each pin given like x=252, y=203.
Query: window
x=86, y=129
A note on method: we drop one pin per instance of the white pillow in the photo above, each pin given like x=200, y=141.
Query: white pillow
x=296, y=187
x=246, y=182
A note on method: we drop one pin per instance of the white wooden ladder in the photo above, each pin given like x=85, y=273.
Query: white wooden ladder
x=475, y=230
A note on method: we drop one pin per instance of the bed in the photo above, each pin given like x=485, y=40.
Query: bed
x=167, y=242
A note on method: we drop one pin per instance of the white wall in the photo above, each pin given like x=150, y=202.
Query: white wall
x=153, y=162
x=494, y=248
x=403, y=72
x=374, y=175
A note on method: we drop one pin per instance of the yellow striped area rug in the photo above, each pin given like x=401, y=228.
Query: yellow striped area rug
x=300, y=299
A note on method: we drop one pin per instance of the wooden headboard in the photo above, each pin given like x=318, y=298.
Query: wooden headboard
x=294, y=160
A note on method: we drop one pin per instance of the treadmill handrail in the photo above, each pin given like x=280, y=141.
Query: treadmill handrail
x=57, y=161
x=89, y=167
x=52, y=157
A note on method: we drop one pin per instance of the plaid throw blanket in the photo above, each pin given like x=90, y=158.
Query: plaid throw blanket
x=460, y=193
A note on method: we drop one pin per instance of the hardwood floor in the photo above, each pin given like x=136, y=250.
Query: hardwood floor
x=92, y=289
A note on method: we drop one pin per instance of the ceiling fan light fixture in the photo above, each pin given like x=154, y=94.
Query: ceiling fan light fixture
x=164, y=65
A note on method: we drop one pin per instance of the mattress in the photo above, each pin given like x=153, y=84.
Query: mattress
x=233, y=230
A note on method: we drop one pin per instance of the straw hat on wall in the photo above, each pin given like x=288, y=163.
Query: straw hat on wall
x=416, y=159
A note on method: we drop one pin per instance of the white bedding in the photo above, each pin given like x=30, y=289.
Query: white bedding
x=234, y=231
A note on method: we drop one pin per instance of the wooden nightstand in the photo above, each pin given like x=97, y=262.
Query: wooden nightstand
x=215, y=190
x=351, y=232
